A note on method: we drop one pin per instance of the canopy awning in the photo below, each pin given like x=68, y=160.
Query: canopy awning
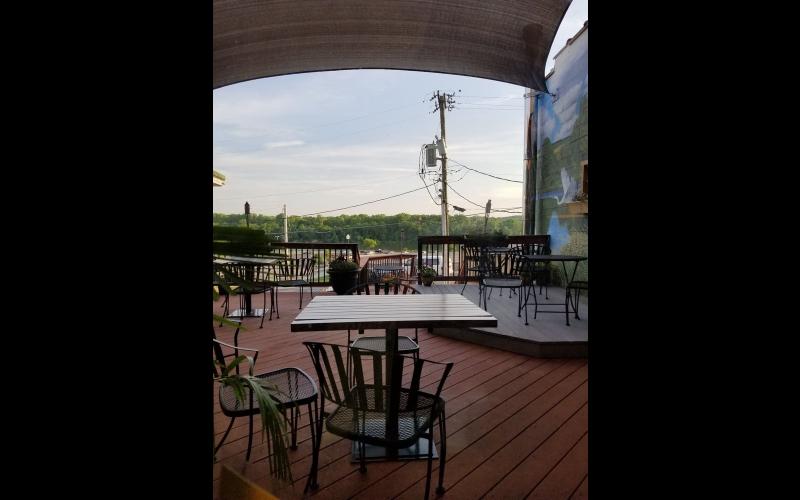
x=504, y=40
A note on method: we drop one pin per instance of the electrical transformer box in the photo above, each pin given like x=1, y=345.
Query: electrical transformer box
x=430, y=155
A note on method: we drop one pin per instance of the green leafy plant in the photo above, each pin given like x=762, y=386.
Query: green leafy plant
x=272, y=421
x=342, y=264
x=427, y=272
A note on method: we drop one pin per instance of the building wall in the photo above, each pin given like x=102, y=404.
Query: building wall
x=561, y=140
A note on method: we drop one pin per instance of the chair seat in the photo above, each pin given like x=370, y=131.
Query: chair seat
x=503, y=282
x=295, y=387
x=369, y=424
x=291, y=283
x=404, y=344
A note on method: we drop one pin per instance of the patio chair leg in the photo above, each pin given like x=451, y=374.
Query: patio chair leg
x=295, y=414
x=224, y=436
x=249, y=438
x=566, y=304
x=362, y=452
x=264, y=311
x=316, y=435
x=430, y=463
x=442, y=452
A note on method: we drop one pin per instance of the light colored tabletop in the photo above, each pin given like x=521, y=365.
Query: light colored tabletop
x=342, y=312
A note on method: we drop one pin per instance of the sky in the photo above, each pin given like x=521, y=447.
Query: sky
x=320, y=142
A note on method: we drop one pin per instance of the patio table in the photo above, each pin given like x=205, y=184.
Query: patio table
x=533, y=258
x=391, y=312
x=248, y=262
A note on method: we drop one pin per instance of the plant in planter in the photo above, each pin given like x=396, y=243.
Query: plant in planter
x=427, y=274
x=343, y=274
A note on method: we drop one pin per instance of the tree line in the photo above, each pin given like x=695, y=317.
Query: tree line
x=388, y=232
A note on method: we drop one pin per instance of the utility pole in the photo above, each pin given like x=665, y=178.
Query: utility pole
x=247, y=214
x=444, y=102
x=285, y=226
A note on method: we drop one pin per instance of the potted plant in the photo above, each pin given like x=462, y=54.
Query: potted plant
x=343, y=274
x=427, y=274
x=272, y=421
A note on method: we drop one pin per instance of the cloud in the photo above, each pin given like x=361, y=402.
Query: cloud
x=284, y=144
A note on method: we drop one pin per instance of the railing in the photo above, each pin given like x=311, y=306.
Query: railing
x=431, y=251
x=408, y=262
x=322, y=252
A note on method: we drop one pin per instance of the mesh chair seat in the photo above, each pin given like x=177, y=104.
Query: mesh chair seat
x=291, y=283
x=404, y=344
x=503, y=282
x=289, y=387
x=368, y=423
x=295, y=386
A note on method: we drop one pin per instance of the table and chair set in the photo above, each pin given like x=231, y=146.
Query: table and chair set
x=247, y=276
x=375, y=391
x=520, y=270
x=371, y=390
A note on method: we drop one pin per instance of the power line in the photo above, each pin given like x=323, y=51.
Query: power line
x=310, y=191
x=461, y=195
x=484, y=173
x=490, y=109
x=491, y=96
x=365, y=203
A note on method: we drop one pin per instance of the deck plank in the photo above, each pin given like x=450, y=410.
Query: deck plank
x=507, y=414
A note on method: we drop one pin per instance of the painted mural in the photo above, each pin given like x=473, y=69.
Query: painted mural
x=561, y=205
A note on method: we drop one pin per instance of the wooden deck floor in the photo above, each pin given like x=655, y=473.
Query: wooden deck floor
x=517, y=426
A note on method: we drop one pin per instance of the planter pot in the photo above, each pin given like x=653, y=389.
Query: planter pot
x=427, y=281
x=577, y=207
x=342, y=281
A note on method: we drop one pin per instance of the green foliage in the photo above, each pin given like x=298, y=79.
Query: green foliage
x=342, y=264
x=370, y=243
x=386, y=229
x=428, y=272
x=235, y=240
x=272, y=421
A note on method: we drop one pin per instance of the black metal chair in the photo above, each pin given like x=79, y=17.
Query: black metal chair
x=475, y=265
x=246, y=280
x=540, y=271
x=405, y=345
x=575, y=288
x=360, y=412
x=288, y=273
x=295, y=388
x=506, y=273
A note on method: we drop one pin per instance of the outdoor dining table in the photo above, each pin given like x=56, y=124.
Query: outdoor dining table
x=577, y=259
x=391, y=312
x=248, y=263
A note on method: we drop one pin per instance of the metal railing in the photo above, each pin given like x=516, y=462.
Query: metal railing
x=322, y=252
x=431, y=252
x=407, y=261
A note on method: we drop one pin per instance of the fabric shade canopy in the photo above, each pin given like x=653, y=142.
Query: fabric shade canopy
x=504, y=40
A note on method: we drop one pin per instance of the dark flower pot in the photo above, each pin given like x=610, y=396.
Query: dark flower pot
x=427, y=281
x=342, y=281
